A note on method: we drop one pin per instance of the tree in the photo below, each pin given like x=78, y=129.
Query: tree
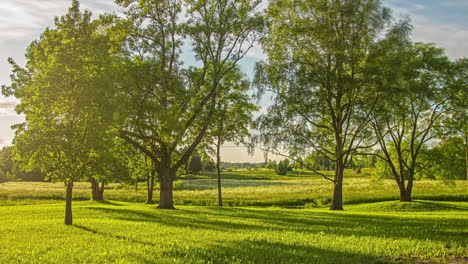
x=299, y=164
x=65, y=93
x=170, y=107
x=317, y=52
x=271, y=165
x=232, y=117
x=457, y=120
x=413, y=88
x=282, y=168
x=110, y=165
x=141, y=168
x=445, y=161
x=208, y=164
x=195, y=164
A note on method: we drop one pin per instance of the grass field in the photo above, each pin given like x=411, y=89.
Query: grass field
x=120, y=232
x=246, y=188
x=292, y=226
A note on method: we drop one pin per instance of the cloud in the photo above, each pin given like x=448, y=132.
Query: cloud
x=452, y=37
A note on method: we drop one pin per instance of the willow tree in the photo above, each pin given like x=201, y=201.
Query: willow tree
x=170, y=107
x=317, y=53
x=65, y=92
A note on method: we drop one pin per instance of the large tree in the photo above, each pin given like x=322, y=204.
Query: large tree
x=65, y=92
x=317, y=53
x=413, y=91
x=457, y=122
x=170, y=107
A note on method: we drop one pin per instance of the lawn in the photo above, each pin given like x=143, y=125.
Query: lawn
x=122, y=232
x=267, y=219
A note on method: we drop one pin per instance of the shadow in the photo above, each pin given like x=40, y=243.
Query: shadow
x=440, y=207
x=356, y=224
x=259, y=250
x=107, y=202
x=87, y=229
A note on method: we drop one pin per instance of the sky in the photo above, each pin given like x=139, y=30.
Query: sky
x=442, y=22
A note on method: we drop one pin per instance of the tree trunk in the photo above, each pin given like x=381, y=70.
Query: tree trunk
x=97, y=191
x=150, y=187
x=166, y=181
x=406, y=191
x=101, y=190
x=218, y=167
x=337, y=202
x=68, y=204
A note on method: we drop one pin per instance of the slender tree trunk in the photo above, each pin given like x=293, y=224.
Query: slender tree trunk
x=150, y=187
x=68, y=204
x=337, y=202
x=218, y=168
x=166, y=181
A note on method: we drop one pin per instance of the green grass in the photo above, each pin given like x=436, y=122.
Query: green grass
x=374, y=228
x=120, y=232
x=267, y=174
x=306, y=192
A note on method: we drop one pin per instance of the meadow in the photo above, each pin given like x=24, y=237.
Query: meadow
x=267, y=219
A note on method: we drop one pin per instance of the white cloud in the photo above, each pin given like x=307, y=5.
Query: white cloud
x=451, y=37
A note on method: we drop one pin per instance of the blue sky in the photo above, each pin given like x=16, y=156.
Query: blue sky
x=443, y=22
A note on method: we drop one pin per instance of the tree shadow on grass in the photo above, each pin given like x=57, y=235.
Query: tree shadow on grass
x=263, y=251
x=433, y=206
x=87, y=229
x=108, y=202
x=309, y=222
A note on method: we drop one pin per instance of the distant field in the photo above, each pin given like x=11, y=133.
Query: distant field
x=120, y=232
x=245, y=188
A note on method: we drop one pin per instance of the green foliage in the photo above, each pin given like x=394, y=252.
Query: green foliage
x=66, y=95
x=319, y=161
x=445, y=162
x=282, y=168
x=169, y=107
x=413, y=79
x=208, y=165
x=195, y=164
x=318, y=53
x=271, y=165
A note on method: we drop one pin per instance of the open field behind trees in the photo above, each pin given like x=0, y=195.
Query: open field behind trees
x=245, y=188
x=121, y=232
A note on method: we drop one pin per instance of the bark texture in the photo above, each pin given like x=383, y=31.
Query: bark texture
x=68, y=204
x=166, y=181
